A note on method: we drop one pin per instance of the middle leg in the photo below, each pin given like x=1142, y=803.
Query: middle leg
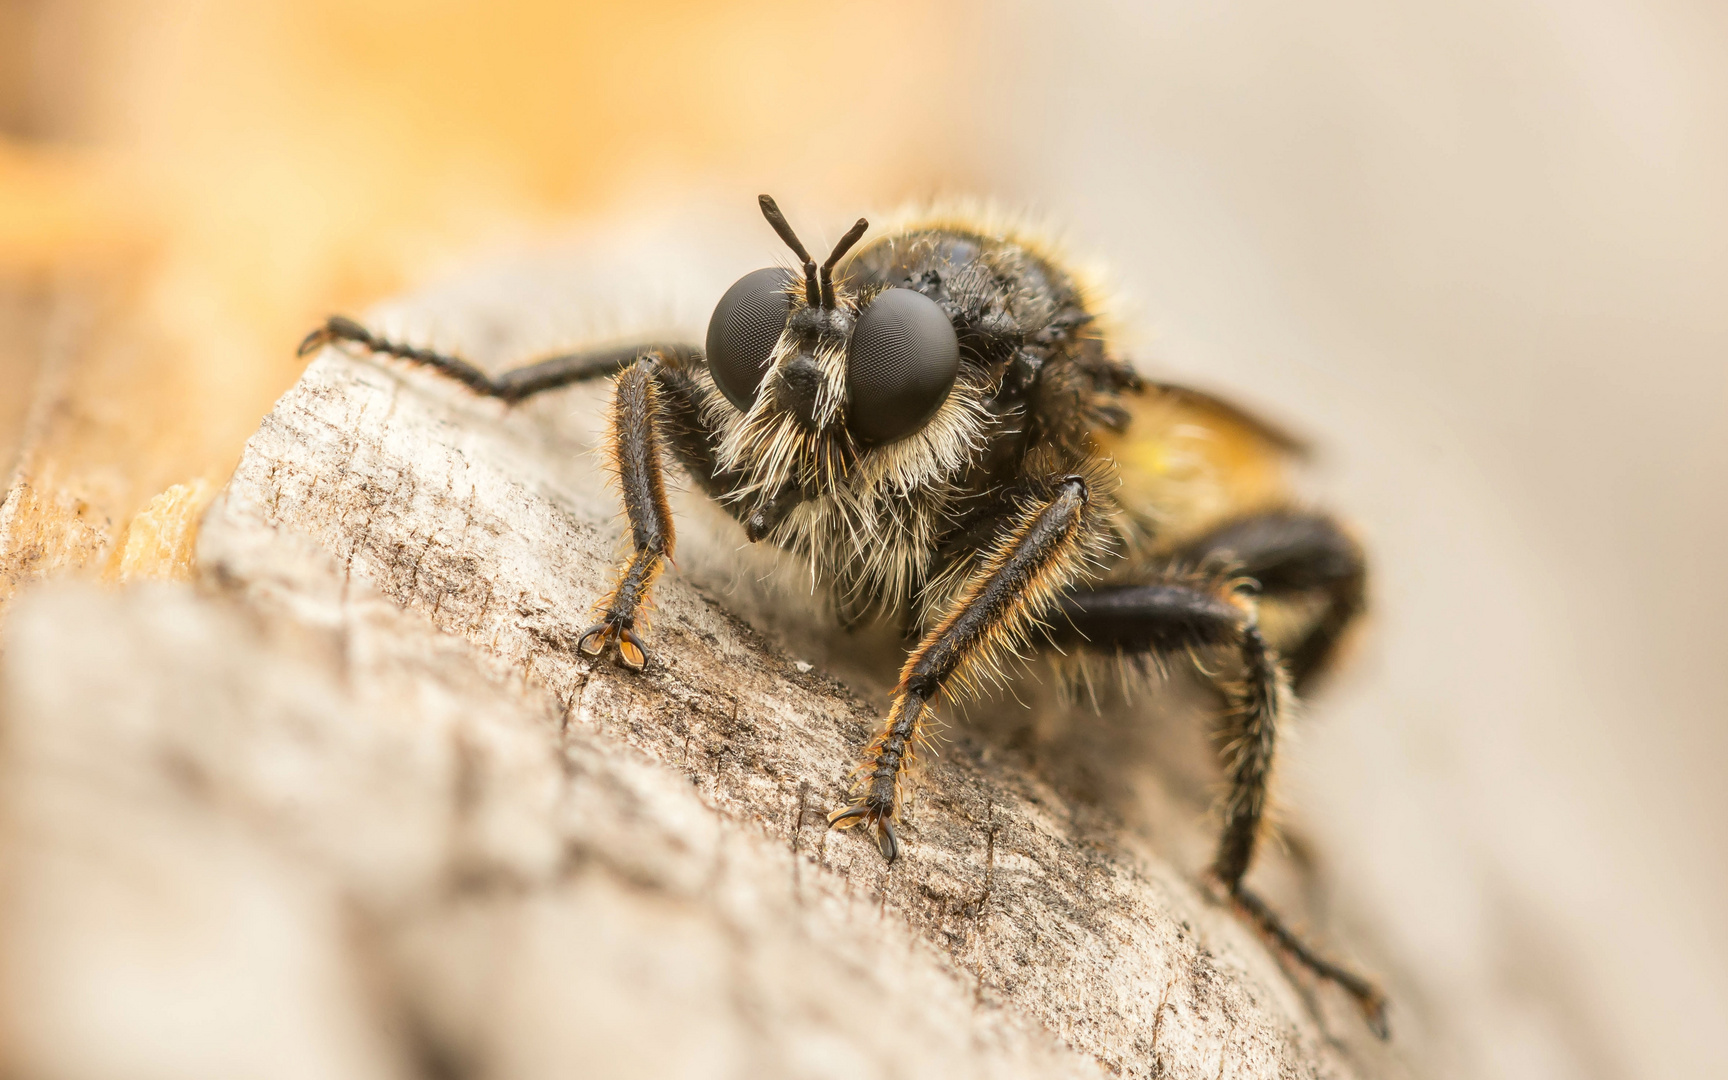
x=656, y=408
x=1180, y=616
x=518, y=384
x=1301, y=561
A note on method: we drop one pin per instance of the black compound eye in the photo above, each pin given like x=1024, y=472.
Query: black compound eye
x=904, y=359
x=741, y=336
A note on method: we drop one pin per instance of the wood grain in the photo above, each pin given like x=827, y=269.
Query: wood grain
x=360, y=772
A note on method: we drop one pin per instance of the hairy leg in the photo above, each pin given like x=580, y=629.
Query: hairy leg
x=1176, y=617
x=1294, y=554
x=1039, y=555
x=512, y=386
x=635, y=444
x=654, y=399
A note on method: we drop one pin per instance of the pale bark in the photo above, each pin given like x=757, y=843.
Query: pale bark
x=353, y=806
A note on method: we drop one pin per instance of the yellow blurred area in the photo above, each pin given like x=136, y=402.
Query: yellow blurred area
x=186, y=187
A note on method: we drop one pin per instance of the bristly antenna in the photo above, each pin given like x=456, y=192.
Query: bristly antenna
x=840, y=249
x=812, y=293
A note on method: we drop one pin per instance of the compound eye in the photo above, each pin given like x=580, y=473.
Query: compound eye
x=904, y=359
x=743, y=332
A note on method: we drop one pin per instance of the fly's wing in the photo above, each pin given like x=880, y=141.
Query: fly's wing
x=1272, y=432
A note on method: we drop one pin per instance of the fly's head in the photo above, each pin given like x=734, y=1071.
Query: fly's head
x=819, y=379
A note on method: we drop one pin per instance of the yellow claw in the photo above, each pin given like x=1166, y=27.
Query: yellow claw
x=631, y=652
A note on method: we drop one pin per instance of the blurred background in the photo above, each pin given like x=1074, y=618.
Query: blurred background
x=1477, y=251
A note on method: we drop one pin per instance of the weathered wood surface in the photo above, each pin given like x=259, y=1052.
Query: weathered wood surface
x=352, y=806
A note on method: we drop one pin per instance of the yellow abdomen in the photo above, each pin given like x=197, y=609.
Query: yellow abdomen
x=1187, y=463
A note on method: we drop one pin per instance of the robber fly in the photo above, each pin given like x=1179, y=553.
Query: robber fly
x=936, y=421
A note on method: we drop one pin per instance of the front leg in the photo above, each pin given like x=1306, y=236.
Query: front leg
x=656, y=395
x=635, y=444
x=1038, y=557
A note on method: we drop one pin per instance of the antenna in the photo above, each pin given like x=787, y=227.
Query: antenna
x=840, y=249
x=812, y=294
